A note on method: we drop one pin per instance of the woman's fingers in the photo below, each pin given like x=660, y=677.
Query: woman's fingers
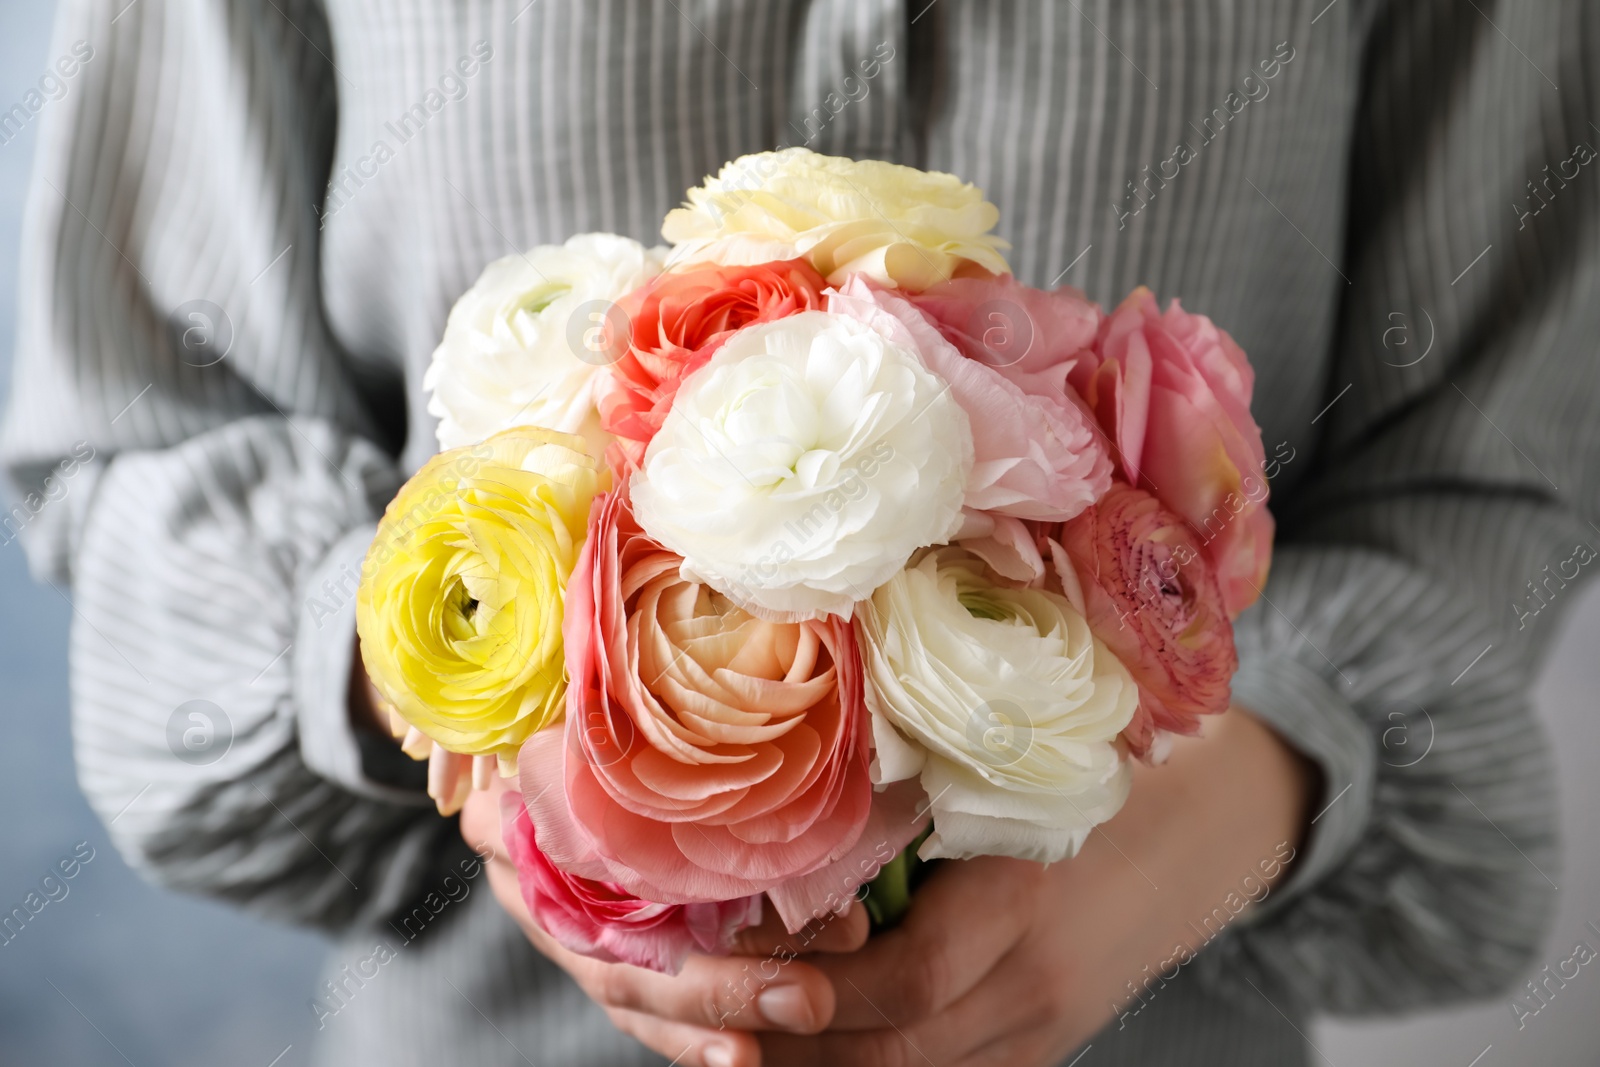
x=480, y=821
x=963, y=919
x=731, y=993
x=449, y=779
x=834, y=933
x=688, y=1046
x=715, y=993
x=1009, y=1008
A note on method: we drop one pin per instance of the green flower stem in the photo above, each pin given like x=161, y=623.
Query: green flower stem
x=889, y=894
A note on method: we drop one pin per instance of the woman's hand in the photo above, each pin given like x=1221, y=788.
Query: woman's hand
x=702, y=1016
x=1001, y=961
x=451, y=776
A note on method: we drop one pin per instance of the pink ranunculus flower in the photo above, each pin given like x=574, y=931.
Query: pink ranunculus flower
x=602, y=920
x=707, y=754
x=1034, y=337
x=1038, y=455
x=1173, y=392
x=1139, y=574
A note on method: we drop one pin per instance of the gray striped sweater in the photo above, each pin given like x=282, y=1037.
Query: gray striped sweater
x=249, y=218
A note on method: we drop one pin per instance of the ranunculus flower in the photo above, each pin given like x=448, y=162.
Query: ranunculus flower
x=1002, y=701
x=602, y=920
x=900, y=226
x=679, y=320
x=1032, y=336
x=1035, y=456
x=707, y=754
x=1173, y=391
x=529, y=343
x=801, y=466
x=461, y=595
x=1151, y=596
x=1034, y=340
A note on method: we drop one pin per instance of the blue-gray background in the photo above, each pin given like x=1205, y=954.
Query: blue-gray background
x=118, y=972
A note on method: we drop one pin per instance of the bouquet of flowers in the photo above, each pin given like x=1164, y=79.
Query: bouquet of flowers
x=813, y=541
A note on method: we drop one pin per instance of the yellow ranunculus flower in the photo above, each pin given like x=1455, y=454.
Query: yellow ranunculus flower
x=461, y=598
x=902, y=227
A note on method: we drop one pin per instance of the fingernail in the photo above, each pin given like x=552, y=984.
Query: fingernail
x=786, y=1006
x=718, y=1056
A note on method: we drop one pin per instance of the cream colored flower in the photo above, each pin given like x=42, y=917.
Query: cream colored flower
x=900, y=226
x=1002, y=701
x=531, y=343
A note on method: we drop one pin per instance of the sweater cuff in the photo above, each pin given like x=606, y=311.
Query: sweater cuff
x=1306, y=712
x=324, y=645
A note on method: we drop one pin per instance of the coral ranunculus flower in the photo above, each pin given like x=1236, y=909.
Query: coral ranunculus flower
x=680, y=319
x=1150, y=594
x=603, y=921
x=1173, y=391
x=460, y=605
x=708, y=754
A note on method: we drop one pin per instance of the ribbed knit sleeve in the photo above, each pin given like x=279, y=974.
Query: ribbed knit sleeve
x=1423, y=563
x=206, y=458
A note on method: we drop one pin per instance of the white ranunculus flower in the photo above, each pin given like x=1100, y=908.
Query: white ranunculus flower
x=529, y=344
x=801, y=467
x=1002, y=701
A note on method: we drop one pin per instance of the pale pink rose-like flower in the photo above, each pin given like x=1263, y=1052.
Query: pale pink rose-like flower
x=604, y=921
x=1035, y=337
x=707, y=754
x=1173, y=392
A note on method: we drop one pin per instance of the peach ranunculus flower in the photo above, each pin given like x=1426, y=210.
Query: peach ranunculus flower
x=1173, y=392
x=602, y=920
x=902, y=227
x=708, y=754
x=678, y=320
x=1140, y=575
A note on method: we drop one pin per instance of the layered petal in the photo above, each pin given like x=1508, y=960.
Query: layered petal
x=461, y=597
x=1173, y=391
x=603, y=921
x=529, y=343
x=1150, y=594
x=1001, y=701
x=1036, y=455
x=804, y=463
x=1035, y=337
x=898, y=225
x=709, y=754
x=679, y=320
